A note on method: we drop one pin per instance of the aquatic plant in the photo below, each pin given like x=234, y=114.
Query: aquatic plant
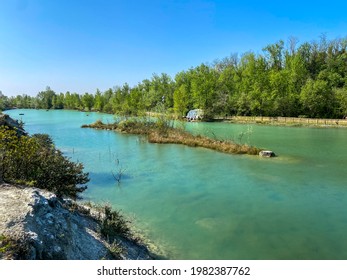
x=117, y=175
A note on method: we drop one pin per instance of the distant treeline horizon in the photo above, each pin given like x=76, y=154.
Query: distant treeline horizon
x=286, y=79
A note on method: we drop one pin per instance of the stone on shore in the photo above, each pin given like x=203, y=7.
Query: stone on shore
x=267, y=154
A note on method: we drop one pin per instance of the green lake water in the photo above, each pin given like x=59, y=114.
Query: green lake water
x=196, y=203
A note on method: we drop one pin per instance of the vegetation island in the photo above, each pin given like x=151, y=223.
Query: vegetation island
x=162, y=132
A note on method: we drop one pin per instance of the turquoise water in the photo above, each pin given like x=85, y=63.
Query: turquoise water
x=200, y=204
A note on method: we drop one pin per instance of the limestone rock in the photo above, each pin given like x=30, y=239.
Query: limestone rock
x=8, y=121
x=53, y=230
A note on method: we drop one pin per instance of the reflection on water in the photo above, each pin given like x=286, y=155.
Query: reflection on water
x=201, y=204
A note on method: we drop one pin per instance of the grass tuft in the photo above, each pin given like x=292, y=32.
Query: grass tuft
x=12, y=249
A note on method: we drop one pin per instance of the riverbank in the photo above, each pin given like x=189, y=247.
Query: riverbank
x=39, y=218
x=286, y=121
x=163, y=134
x=275, y=121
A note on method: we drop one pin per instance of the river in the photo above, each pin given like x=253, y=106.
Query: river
x=201, y=204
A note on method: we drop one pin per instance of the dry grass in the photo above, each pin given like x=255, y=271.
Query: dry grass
x=170, y=135
x=175, y=136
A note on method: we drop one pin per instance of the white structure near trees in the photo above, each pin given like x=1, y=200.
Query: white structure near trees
x=196, y=114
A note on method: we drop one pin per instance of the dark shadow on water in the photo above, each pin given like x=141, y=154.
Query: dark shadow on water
x=105, y=178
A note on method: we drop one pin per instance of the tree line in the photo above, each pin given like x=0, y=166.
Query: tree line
x=285, y=79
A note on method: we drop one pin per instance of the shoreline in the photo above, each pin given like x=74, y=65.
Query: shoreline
x=286, y=121
x=45, y=222
x=260, y=120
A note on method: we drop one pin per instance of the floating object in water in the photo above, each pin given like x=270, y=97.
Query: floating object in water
x=21, y=114
x=267, y=154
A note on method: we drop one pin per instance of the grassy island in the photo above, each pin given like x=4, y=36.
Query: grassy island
x=163, y=133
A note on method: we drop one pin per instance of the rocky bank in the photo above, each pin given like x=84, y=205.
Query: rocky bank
x=6, y=120
x=47, y=227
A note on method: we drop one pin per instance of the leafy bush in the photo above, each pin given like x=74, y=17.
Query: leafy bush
x=34, y=161
x=44, y=140
x=113, y=224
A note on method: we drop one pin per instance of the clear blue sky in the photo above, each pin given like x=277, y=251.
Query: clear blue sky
x=83, y=45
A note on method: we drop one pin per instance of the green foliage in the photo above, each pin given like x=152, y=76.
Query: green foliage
x=60, y=175
x=44, y=140
x=58, y=101
x=317, y=98
x=341, y=97
x=113, y=224
x=99, y=101
x=288, y=82
x=34, y=161
x=3, y=102
x=88, y=101
x=45, y=98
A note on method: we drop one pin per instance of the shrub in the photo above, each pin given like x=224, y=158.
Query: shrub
x=113, y=224
x=44, y=140
x=34, y=161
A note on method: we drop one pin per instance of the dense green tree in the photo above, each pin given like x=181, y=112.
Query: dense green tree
x=341, y=97
x=274, y=53
x=317, y=98
x=99, y=101
x=203, y=88
x=255, y=84
x=68, y=101
x=87, y=101
x=76, y=101
x=182, y=96
x=58, y=101
x=160, y=88
x=181, y=100
x=2, y=101
x=285, y=80
x=45, y=98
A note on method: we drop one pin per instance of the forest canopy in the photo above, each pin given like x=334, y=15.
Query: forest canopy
x=285, y=79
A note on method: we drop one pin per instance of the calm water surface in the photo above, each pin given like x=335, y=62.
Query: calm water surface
x=200, y=204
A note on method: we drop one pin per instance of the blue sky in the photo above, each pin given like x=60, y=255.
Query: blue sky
x=84, y=45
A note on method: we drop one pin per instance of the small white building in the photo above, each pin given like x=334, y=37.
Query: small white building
x=196, y=114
